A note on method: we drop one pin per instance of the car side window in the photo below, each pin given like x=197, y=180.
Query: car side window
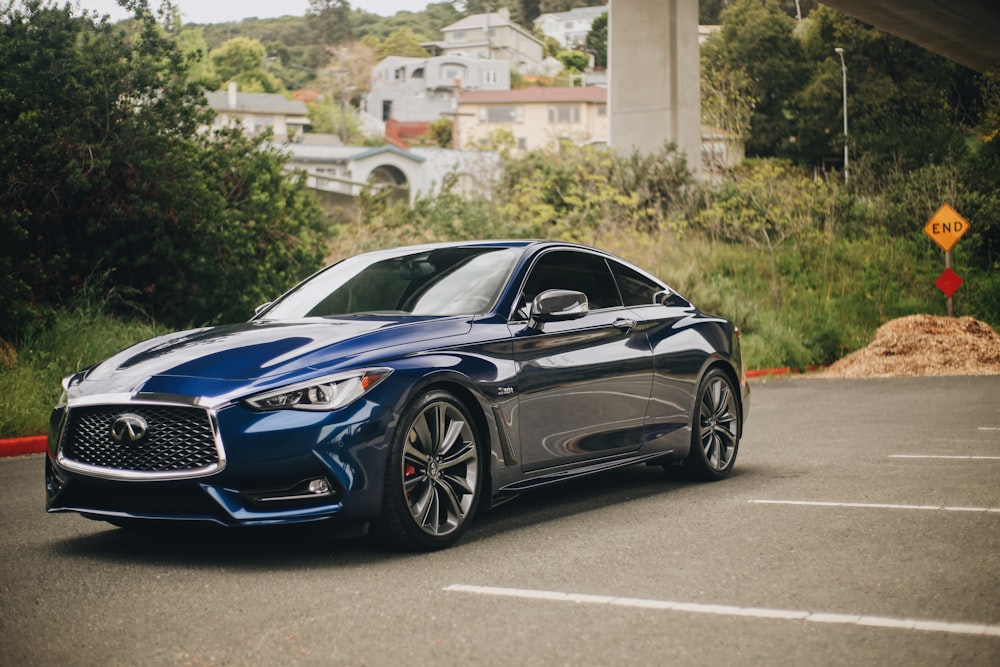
x=636, y=289
x=577, y=271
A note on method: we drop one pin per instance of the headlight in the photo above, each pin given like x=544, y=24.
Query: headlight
x=326, y=393
x=67, y=382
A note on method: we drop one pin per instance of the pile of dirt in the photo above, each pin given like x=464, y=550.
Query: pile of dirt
x=924, y=345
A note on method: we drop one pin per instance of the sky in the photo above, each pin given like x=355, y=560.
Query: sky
x=219, y=11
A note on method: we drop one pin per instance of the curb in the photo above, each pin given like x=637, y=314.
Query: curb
x=765, y=372
x=35, y=444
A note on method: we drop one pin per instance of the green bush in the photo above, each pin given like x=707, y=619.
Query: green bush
x=106, y=170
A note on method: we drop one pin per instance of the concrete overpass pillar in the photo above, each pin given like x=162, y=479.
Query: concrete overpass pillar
x=654, y=93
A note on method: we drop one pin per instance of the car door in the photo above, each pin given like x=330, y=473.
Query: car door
x=679, y=351
x=583, y=384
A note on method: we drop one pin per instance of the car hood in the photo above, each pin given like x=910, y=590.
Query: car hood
x=254, y=356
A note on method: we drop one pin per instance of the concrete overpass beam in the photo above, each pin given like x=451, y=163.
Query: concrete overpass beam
x=654, y=90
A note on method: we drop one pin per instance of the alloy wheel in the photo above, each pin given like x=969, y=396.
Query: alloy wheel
x=718, y=420
x=440, y=468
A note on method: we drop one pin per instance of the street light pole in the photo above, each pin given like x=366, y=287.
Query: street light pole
x=843, y=68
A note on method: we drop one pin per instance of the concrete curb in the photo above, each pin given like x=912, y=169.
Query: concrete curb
x=764, y=372
x=35, y=444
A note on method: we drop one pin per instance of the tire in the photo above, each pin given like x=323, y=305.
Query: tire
x=434, y=475
x=715, y=428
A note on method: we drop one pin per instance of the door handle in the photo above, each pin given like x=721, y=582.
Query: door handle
x=624, y=324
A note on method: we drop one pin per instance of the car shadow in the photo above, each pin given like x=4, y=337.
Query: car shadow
x=577, y=496
x=321, y=545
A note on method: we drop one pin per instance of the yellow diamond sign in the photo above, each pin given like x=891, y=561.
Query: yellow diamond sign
x=946, y=227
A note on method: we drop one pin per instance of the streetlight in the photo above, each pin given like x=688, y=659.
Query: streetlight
x=843, y=68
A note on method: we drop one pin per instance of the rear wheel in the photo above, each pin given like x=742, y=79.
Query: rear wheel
x=715, y=428
x=433, y=476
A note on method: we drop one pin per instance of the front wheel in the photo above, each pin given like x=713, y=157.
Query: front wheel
x=715, y=428
x=433, y=477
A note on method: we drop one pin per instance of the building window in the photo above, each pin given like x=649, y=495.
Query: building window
x=418, y=73
x=501, y=114
x=564, y=114
x=491, y=76
x=260, y=123
x=522, y=143
x=602, y=109
x=458, y=36
x=400, y=74
x=453, y=72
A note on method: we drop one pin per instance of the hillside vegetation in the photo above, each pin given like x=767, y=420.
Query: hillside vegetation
x=120, y=219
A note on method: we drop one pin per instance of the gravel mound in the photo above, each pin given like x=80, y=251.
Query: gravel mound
x=924, y=345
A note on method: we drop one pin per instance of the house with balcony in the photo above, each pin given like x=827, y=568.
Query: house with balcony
x=257, y=112
x=570, y=28
x=536, y=117
x=491, y=36
x=423, y=89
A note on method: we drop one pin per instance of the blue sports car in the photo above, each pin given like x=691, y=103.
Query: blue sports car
x=404, y=389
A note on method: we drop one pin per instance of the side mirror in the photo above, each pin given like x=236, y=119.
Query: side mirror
x=557, y=305
x=668, y=297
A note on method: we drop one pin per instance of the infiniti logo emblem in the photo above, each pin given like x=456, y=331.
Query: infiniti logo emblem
x=128, y=428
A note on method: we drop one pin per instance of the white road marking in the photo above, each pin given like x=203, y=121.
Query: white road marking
x=989, y=428
x=935, y=456
x=879, y=506
x=926, y=625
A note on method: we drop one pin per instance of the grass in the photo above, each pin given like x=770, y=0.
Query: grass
x=75, y=338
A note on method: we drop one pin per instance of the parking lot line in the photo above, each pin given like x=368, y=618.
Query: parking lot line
x=880, y=506
x=940, y=456
x=924, y=625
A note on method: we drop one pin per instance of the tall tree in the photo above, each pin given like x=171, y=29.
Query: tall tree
x=404, y=43
x=597, y=40
x=331, y=21
x=530, y=10
x=902, y=103
x=758, y=38
x=242, y=59
x=106, y=169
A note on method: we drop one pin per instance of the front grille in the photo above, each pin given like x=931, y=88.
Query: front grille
x=177, y=440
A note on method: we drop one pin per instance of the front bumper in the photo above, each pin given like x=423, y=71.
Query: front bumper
x=273, y=467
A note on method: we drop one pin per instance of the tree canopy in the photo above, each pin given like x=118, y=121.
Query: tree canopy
x=108, y=175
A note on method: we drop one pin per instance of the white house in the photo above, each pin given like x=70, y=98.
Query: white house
x=570, y=28
x=491, y=36
x=256, y=112
x=423, y=89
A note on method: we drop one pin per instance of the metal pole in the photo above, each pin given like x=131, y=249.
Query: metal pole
x=951, y=302
x=843, y=68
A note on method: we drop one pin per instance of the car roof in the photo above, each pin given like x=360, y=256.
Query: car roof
x=500, y=243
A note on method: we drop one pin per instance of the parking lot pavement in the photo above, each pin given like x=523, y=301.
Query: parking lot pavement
x=862, y=526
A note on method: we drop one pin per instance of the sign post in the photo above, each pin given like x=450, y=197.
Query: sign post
x=945, y=228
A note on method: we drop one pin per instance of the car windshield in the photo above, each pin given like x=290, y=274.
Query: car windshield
x=439, y=281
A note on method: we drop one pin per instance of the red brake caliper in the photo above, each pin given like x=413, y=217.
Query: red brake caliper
x=409, y=470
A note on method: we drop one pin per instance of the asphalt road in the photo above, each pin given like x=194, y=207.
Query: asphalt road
x=836, y=542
